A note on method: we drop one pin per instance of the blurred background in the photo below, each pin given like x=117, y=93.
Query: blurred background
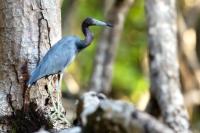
x=118, y=65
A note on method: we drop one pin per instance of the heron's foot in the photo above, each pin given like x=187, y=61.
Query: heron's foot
x=58, y=113
x=57, y=108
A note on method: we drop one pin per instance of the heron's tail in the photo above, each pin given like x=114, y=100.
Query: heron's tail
x=35, y=75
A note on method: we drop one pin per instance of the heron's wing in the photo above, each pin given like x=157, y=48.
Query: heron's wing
x=56, y=59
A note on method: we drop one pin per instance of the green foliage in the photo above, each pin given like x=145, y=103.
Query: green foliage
x=129, y=77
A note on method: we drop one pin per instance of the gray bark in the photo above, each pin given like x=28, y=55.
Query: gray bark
x=115, y=116
x=27, y=30
x=164, y=68
x=107, y=47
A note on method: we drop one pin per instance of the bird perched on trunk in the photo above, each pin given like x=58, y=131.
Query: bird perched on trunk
x=64, y=51
x=57, y=58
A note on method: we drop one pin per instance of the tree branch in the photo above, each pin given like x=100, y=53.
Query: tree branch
x=107, y=47
x=115, y=116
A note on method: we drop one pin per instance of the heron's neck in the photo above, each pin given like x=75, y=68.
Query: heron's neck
x=88, y=35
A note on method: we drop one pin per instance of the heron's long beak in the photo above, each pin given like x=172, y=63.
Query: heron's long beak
x=101, y=23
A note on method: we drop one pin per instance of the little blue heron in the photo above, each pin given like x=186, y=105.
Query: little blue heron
x=60, y=56
x=63, y=52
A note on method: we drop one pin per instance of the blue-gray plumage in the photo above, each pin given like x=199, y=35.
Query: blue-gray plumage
x=63, y=52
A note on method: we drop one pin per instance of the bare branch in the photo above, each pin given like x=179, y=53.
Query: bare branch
x=107, y=47
x=115, y=116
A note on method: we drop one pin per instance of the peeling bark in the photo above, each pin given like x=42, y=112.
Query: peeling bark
x=164, y=68
x=107, y=47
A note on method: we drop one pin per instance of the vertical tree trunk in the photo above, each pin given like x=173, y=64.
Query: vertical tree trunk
x=106, y=49
x=164, y=68
x=198, y=38
x=27, y=30
x=67, y=17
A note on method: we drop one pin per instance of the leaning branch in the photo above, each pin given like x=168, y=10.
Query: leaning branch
x=115, y=116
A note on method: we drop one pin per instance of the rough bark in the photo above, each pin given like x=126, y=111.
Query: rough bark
x=107, y=47
x=27, y=30
x=164, y=68
x=114, y=116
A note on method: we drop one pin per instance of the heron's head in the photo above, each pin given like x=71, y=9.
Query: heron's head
x=91, y=21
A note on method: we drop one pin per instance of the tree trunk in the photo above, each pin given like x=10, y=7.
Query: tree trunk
x=107, y=47
x=69, y=9
x=198, y=38
x=27, y=30
x=164, y=68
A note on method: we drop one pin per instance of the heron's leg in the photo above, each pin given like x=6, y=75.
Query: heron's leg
x=60, y=107
x=50, y=89
x=60, y=76
x=58, y=104
x=57, y=112
x=59, y=101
